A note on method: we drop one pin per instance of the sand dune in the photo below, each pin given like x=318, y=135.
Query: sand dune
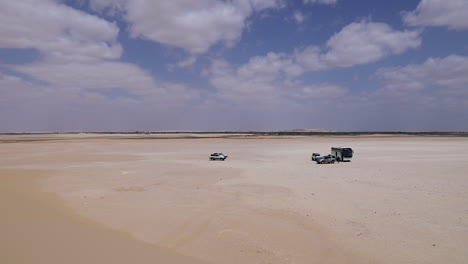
x=401, y=200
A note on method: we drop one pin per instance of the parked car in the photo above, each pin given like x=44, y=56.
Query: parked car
x=319, y=158
x=326, y=159
x=315, y=155
x=218, y=156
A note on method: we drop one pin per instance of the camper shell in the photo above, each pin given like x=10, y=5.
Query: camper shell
x=342, y=153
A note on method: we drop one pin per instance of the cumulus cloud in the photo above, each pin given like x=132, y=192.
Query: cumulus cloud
x=77, y=49
x=67, y=87
x=310, y=58
x=25, y=106
x=76, y=67
x=450, y=13
x=358, y=43
x=364, y=42
x=14, y=87
x=320, y=91
x=432, y=95
x=264, y=91
x=76, y=77
x=268, y=79
x=299, y=18
x=275, y=74
x=237, y=87
x=449, y=74
x=191, y=25
x=57, y=31
x=187, y=62
x=273, y=64
x=97, y=75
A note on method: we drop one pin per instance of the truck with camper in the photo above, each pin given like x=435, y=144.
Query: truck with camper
x=342, y=154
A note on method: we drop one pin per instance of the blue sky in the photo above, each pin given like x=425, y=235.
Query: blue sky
x=121, y=65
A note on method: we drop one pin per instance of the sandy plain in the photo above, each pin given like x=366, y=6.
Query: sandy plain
x=98, y=199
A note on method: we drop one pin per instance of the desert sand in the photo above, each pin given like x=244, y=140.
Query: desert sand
x=117, y=199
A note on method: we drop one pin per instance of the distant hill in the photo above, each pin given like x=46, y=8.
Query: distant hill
x=310, y=130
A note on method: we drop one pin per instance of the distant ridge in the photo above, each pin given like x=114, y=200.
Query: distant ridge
x=310, y=130
x=294, y=132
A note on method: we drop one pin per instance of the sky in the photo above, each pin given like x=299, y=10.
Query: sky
x=237, y=65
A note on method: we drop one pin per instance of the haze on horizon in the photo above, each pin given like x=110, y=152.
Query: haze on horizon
x=148, y=65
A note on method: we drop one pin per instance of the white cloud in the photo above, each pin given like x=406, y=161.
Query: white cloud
x=450, y=13
x=365, y=42
x=432, y=95
x=320, y=91
x=267, y=79
x=273, y=64
x=187, y=62
x=299, y=18
x=192, y=25
x=357, y=43
x=449, y=74
x=14, y=87
x=77, y=54
x=25, y=106
x=57, y=31
x=437, y=86
x=233, y=86
x=274, y=75
x=96, y=75
x=310, y=58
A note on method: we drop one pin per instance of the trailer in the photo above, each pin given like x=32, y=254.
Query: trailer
x=342, y=154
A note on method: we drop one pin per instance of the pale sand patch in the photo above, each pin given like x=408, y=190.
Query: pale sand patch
x=36, y=228
x=401, y=200
x=130, y=189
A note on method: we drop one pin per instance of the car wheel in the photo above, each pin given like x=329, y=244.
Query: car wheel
x=332, y=161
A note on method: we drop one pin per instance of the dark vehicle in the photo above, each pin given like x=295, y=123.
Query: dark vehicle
x=342, y=154
x=315, y=155
x=326, y=159
x=218, y=156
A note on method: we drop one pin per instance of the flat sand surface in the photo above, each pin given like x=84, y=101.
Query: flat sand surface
x=117, y=199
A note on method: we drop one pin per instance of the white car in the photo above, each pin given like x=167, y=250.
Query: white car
x=315, y=156
x=326, y=159
x=218, y=156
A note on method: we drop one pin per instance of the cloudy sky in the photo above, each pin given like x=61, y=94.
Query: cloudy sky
x=127, y=65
